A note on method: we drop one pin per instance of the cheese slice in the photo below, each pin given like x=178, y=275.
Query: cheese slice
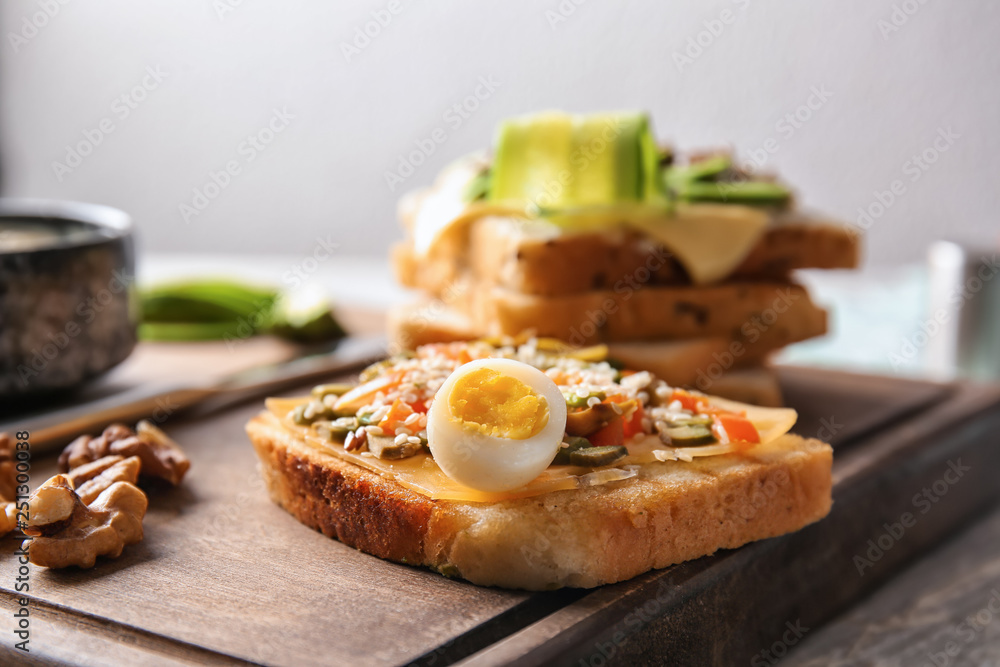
x=709, y=240
x=422, y=474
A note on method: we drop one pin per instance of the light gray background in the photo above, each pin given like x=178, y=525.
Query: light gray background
x=324, y=175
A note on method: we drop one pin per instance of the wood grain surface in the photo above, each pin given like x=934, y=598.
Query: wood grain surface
x=943, y=611
x=224, y=577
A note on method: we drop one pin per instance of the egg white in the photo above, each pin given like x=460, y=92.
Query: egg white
x=494, y=463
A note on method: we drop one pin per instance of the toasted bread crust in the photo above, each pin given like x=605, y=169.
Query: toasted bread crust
x=575, y=263
x=583, y=538
x=340, y=499
x=762, y=316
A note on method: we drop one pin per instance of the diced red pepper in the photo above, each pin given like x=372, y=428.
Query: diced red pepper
x=634, y=425
x=396, y=416
x=739, y=429
x=611, y=435
x=688, y=401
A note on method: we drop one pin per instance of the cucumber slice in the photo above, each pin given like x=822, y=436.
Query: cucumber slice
x=690, y=436
x=385, y=447
x=574, y=400
x=703, y=420
x=703, y=170
x=575, y=444
x=593, y=457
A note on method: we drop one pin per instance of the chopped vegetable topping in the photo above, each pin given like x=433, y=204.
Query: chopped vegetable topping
x=608, y=409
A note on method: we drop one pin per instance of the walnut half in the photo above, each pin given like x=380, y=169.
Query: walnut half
x=67, y=531
x=90, y=480
x=159, y=455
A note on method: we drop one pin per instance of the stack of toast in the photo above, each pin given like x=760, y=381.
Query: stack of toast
x=505, y=276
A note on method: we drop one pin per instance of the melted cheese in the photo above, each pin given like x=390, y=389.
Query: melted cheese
x=709, y=240
x=422, y=474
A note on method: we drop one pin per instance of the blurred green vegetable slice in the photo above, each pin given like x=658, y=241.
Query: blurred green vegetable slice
x=747, y=192
x=556, y=160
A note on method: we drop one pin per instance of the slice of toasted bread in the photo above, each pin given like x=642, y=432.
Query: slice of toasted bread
x=759, y=315
x=671, y=512
x=498, y=251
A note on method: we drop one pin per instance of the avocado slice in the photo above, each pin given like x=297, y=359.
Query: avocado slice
x=746, y=192
x=702, y=170
x=558, y=161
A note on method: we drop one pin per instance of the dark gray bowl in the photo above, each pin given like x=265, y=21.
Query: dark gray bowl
x=67, y=304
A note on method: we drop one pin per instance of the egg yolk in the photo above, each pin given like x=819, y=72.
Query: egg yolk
x=498, y=405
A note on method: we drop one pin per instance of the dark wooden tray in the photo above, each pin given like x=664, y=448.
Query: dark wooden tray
x=225, y=577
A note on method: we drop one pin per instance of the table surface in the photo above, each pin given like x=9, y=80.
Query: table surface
x=944, y=606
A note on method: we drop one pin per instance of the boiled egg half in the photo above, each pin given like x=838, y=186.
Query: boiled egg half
x=496, y=424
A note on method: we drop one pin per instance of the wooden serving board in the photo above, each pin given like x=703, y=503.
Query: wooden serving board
x=225, y=577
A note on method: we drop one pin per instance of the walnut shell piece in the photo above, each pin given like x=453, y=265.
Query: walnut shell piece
x=160, y=456
x=112, y=521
